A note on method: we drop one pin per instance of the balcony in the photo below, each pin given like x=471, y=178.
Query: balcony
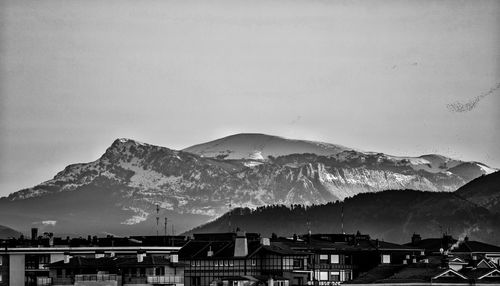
x=62, y=281
x=43, y=281
x=128, y=279
x=165, y=280
x=96, y=277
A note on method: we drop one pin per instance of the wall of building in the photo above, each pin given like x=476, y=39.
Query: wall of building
x=4, y=270
x=54, y=257
x=96, y=283
x=16, y=270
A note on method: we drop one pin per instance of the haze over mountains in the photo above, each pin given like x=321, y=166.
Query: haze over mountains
x=118, y=192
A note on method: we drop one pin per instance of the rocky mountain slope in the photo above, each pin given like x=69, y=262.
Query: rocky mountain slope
x=119, y=191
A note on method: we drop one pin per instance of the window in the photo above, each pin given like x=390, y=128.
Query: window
x=1, y=260
x=323, y=276
x=196, y=281
x=386, y=258
x=298, y=281
x=334, y=276
x=334, y=259
x=216, y=263
x=253, y=262
x=0, y=274
x=226, y=263
x=323, y=258
x=297, y=263
x=198, y=263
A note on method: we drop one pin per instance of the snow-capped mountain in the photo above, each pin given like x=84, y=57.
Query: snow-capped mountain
x=119, y=191
x=261, y=146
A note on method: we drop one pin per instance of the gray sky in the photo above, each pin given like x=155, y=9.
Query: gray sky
x=387, y=76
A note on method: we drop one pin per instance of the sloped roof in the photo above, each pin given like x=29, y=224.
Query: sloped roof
x=433, y=244
x=111, y=262
x=415, y=273
x=449, y=271
x=476, y=246
x=147, y=261
x=380, y=272
x=86, y=263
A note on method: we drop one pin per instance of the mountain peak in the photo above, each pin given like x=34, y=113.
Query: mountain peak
x=121, y=141
x=246, y=145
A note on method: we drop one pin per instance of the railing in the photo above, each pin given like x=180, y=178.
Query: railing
x=62, y=281
x=165, y=280
x=43, y=281
x=332, y=266
x=96, y=277
x=324, y=283
x=134, y=280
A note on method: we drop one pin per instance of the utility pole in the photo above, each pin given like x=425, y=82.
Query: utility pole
x=157, y=218
x=342, y=218
x=230, y=213
x=166, y=226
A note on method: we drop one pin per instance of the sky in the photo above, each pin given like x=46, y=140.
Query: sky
x=399, y=77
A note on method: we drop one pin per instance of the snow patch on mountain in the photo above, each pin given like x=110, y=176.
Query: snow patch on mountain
x=487, y=170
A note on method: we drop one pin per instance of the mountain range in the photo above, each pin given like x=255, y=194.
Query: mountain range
x=119, y=192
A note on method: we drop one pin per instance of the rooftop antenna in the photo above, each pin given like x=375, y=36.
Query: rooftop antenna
x=166, y=226
x=173, y=233
x=157, y=217
x=342, y=218
x=230, y=213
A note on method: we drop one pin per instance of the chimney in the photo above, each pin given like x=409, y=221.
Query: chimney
x=265, y=241
x=34, y=233
x=210, y=253
x=416, y=238
x=67, y=257
x=140, y=256
x=240, y=245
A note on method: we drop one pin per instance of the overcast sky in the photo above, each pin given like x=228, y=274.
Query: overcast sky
x=399, y=77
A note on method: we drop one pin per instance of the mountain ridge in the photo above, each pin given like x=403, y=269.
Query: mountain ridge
x=132, y=177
